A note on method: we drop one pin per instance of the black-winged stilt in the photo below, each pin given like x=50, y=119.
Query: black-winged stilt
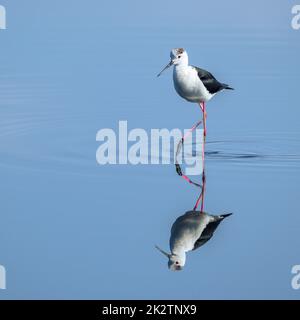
x=192, y=83
x=189, y=232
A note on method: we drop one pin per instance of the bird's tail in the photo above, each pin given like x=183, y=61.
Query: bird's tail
x=227, y=87
x=223, y=216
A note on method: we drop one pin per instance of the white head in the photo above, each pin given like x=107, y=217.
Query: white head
x=176, y=262
x=178, y=57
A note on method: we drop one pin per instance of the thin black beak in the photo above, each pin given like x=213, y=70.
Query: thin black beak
x=166, y=67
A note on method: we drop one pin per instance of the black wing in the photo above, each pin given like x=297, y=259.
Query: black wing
x=210, y=82
x=209, y=230
x=206, y=234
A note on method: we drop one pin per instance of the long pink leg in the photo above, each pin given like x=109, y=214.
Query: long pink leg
x=204, y=118
x=203, y=108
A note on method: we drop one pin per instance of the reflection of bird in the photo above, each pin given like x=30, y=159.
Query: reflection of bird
x=192, y=83
x=189, y=232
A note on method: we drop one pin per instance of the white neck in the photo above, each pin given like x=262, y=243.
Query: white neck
x=180, y=252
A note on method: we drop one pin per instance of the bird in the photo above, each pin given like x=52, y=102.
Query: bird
x=189, y=232
x=193, y=83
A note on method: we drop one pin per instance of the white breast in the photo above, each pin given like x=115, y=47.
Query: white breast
x=186, y=231
x=188, y=85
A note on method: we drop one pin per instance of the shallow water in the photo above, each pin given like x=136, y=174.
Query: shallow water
x=73, y=229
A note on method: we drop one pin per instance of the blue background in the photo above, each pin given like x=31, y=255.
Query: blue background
x=70, y=228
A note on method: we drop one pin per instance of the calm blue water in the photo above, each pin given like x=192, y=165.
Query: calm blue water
x=70, y=228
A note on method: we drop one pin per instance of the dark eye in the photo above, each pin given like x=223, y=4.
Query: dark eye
x=179, y=56
x=176, y=262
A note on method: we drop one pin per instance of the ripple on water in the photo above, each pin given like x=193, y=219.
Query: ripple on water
x=261, y=149
x=65, y=142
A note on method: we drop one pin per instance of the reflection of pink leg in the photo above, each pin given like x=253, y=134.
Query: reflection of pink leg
x=203, y=190
x=178, y=169
x=197, y=202
x=201, y=197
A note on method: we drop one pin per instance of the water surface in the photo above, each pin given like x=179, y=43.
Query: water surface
x=73, y=229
